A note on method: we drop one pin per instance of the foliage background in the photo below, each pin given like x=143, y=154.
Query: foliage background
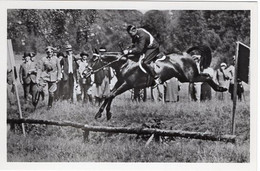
x=175, y=30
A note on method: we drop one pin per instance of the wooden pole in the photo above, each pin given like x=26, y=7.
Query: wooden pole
x=149, y=140
x=85, y=135
x=156, y=132
x=12, y=63
x=233, y=129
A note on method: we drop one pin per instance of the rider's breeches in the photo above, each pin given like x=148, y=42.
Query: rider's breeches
x=149, y=56
x=148, y=68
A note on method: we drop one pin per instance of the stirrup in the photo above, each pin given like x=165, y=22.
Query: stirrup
x=157, y=82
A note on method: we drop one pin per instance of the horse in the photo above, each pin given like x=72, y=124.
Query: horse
x=130, y=74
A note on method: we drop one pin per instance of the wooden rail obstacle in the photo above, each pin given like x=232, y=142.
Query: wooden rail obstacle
x=156, y=132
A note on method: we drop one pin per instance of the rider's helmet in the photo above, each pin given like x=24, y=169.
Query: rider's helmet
x=130, y=27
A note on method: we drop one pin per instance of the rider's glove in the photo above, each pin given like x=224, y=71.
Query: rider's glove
x=126, y=52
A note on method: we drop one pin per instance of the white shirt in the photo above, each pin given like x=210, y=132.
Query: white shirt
x=70, y=64
x=82, y=66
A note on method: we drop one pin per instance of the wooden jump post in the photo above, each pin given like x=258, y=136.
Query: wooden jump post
x=14, y=72
x=158, y=132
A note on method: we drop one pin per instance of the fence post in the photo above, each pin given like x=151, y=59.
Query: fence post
x=157, y=138
x=85, y=135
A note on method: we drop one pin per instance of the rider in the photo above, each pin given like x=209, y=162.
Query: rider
x=144, y=43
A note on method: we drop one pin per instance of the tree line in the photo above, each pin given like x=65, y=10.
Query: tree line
x=175, y=30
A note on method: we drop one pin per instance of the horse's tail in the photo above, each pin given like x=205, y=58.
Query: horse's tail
x=205, y=53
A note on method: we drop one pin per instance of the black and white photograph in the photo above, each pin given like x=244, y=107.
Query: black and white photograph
x=134, y=82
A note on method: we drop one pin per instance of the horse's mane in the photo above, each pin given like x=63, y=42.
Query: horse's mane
x=205, y=53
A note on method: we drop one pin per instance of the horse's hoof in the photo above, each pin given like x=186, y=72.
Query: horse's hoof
x=109, y=115
x=98, y=115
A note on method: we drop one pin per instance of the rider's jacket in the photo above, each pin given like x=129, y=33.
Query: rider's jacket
x=143, y=41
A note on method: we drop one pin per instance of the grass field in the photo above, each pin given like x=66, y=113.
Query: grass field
x=61, y=144
x=65, y=144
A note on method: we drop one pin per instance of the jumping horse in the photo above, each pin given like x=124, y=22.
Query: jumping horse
x=130, y=75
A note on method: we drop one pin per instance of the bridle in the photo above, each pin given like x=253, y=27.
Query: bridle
x=99, y=69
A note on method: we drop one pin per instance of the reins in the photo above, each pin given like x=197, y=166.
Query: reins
x=99, y=69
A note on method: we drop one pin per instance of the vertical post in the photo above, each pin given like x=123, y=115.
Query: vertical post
x=85, y=135
x=149, y=140
x=233, y=129
x=12, y=63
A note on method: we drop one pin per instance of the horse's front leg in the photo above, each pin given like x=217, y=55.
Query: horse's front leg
x=204, y=77
x=123, y=88
x=102, y=107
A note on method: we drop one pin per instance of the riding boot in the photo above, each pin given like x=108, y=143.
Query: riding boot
x=152, y=73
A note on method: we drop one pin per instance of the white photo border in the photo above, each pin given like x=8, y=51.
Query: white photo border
x=138, y=5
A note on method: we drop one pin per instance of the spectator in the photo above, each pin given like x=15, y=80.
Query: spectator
x=205, y=87
x=27, y=75
x=84, y=77
x=138, y=94
x=240, y=89
x=195, y=88
x=222, y=78
x=101, y=78
x=59, y=92
x=231, y=72
x=10, y=87
x=69, y=67
x=172, y=90
x=49, y=72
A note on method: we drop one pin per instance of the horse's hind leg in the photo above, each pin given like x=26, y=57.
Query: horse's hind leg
x=123, y=88
x=203, y=77
x=215, y=86
x=109, y=114
x=101, y=109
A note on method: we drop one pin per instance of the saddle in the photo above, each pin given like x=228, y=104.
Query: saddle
x=160, y=57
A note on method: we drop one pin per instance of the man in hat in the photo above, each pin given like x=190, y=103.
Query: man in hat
x=222, y=77
x=49, y=73
x=69, y=67
x=59, y=92
x=231, y=71
x=144, y=43
x=195, y=88
x=83, y=76
x=27, y=75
